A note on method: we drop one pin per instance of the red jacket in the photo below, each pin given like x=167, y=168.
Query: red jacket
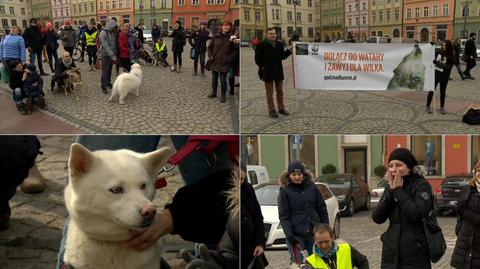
x=123, y=45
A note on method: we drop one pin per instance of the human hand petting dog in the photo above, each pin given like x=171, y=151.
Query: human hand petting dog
x=204, y=262
x=141, y=240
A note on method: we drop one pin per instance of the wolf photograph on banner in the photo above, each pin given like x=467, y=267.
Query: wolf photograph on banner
x=370, y=67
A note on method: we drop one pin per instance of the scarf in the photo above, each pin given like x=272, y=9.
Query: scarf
x=332, y=252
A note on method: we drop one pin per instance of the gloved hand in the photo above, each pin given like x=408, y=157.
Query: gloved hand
x=205, y=262
x=292, y=240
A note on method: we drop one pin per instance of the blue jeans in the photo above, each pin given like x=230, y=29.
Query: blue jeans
x=306, y=242
x=223, y=82
x=39, y=59
x=193, y=168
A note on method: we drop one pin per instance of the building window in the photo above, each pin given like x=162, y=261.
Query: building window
x=164, y=4
x=374, y=16
x=289, y=31
x=445, y=10
x=299, y=16
x=409, y=13
x=388, y=15
x=475, y=150
x=417, y=12
x=126, y=18
x=12, y=11
x=14, y=22
x=66, y=11
x=380, y=33
x=4, y=23
x=220, y=2
x=364, y=6
x=92, y=6
x=74, y=9
x=2, y=10
x=195, y=21
x=195, y=2
x=310, y=32
x=289, y=2
x=397, y=14
x=22, y=11
x=255, y=2
x=277, y=14
x=428, y=152
x=289, y=16
x=114, y=4
x=349, y=21
x=349, y=8
x=380, y=15
x=101, y=7
x=128, y=4
x=364, y=20
x=374, y=33
x=107, y=5
x=357, y=21
x=309, y=3
x=24, y=23
x=300, y=31
x=56, y=14
x=257, y=15
x=425, y=11
x=310, y=17
x=465, y=11
x=247, y=15
x=435, y=10
x=181, y=2
x=210, y=2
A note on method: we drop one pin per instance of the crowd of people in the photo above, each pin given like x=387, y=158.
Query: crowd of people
x=114, y=44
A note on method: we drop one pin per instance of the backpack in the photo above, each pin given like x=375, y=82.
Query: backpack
x=472, y=116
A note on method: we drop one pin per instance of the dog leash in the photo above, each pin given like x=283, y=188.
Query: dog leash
x=204, y=143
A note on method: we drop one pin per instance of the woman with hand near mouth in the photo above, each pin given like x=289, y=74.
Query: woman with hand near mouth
x=467, y=249
x=405, y=202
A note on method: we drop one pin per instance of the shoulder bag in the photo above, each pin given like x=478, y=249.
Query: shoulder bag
x=435, y=239
x=472, y=116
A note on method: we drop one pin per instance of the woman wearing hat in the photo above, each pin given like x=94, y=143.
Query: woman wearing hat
x=300, y=208
x=405, y=201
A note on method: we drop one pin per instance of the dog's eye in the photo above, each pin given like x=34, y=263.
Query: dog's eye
x=143, y=186
x=116, y=190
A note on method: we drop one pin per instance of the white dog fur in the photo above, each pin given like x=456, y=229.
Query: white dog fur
x=127, y=83
x=101, y=219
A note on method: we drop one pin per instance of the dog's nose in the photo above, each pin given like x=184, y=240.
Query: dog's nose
x=148, y=212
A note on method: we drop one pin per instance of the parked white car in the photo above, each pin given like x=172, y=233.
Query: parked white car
x=377, y=193
x=267, y=194
x=147, y=35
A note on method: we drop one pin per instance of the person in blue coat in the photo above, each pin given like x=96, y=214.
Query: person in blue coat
x=300, y=208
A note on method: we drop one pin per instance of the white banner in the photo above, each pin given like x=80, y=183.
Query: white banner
x=364, y=66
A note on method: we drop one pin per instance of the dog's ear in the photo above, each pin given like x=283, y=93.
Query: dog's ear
x=153, y=161
x=81, y=160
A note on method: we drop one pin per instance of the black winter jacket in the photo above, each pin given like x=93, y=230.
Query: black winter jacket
x=404, y=242
x=178, y=40
x=470, y=48
x=33, y=38
x=300, y=206
x=199, y=41
x=466, y=254
x=269, y=60
x=253, y=230
x=61, y=68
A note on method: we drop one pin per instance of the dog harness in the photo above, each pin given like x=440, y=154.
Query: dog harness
x=205, y=143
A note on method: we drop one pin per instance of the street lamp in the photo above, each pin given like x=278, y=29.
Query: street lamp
x=465, y=13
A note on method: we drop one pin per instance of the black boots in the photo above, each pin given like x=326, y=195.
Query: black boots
x=231, y=82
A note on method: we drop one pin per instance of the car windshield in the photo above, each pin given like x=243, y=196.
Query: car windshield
x=456, y=180
x=267, y=195
x=335, y=181
x=382, y=183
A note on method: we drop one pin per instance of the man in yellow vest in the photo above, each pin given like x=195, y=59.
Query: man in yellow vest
x=90, y=38
x=327, y=254
x=160, y=53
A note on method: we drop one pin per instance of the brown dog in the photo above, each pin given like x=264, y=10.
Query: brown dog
x=73, y=81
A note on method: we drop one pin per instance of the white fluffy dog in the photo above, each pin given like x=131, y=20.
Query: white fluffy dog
x=127, y=83
x=109, y=194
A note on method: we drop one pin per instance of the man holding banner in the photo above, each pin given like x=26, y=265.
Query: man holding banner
x=268, y=56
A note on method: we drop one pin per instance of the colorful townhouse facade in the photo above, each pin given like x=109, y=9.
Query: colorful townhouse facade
x=83, y=11
x=386, y=18
x=41, y=9
x=292, y=16
x=467, y=18
x=192, y=12
x=14, y=13
x=361, y=154
x=428, y=21
x=254, y=17
x=151, y=12
x=60, y=12
x=120, y=9
x=356, y=19
x=329, y=22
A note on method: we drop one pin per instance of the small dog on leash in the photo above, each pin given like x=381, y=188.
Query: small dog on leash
x=73, y=81
x=145, y=57
x=127, y=83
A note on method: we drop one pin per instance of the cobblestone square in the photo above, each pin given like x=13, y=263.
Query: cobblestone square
x=353, y=112
x=169, y=103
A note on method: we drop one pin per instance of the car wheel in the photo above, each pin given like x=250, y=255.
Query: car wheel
x=350, y=208
x=336, y=226
x=368, y=203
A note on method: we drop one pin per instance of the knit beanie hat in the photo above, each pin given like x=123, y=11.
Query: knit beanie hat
x=296, y=166
x=404, y=155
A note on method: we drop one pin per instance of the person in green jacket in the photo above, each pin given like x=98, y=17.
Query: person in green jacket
x=328, y=254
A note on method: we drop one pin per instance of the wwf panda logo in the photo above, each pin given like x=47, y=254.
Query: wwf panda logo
x=315, y=49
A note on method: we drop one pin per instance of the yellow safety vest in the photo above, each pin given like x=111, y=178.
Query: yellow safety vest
x=344, y=259
x=91, y=38
x=160, y=49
